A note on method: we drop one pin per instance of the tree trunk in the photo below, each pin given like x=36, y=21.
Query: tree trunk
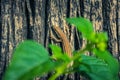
x=32, y=19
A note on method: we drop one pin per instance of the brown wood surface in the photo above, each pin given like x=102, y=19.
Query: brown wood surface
x=33, y=19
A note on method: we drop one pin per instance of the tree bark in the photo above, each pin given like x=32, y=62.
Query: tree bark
x=33, y=19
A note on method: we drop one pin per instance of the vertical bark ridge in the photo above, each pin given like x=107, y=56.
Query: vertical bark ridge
x=118, y=27
x=106, y=21
x=5, y=25
x=75, y=11
x=39, y=22
x=113, y=27
x=96, y=16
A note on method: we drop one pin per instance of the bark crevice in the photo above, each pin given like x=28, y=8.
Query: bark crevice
x=29, y=30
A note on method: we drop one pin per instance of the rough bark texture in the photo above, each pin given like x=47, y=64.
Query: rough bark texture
x=32, y=19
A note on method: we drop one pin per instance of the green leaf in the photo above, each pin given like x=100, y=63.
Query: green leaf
x=44, y=68
x=98, y=37
x=58, y=54
x=83, y=25
x=94, y=68
x=113, y=64
x=102, y=36
x=28, y=59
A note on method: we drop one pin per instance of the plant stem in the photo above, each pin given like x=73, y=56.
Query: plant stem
x=77, y=55
x=63, y=67
x=59, y=70
x=54, y=76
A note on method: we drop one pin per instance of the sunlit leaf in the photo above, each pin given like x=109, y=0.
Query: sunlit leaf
x=102, y=36
x=83, y=25
x=98, y=37
x=58, y=54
